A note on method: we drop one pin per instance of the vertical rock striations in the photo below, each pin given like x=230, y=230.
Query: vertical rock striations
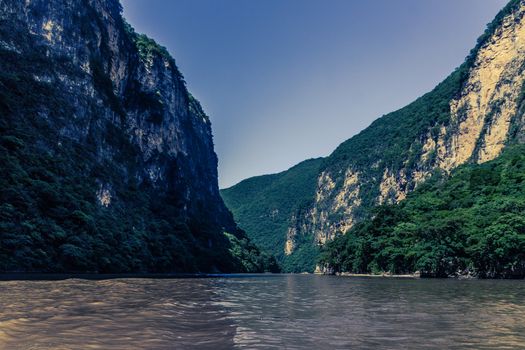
x=108, y=160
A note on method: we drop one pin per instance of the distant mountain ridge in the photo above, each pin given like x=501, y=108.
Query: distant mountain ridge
x=471, y=117
x=107, y=161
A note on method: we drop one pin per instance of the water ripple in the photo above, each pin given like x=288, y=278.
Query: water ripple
x=265, y=312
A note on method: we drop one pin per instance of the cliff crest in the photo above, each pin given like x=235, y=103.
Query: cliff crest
x=107, y=161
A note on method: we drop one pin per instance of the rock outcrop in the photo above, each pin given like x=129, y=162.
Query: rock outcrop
x=80, y=86
x=470, y=117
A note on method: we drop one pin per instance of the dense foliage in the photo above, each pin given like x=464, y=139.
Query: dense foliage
x=50, y=217
x=393, y=142
x=471, y=222
x=264, y=205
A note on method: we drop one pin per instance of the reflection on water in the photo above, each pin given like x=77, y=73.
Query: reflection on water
x=283, y=311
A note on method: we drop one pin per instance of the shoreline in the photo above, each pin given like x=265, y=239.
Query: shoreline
x=42, y=276
x=382, y=275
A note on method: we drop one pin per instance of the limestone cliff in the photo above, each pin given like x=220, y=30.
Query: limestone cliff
x=470, y=117
x=475, y=130
x=104, y=122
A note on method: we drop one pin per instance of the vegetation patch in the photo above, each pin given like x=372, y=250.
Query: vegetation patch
x=469, y=223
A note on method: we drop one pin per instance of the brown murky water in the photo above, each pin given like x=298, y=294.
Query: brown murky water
x=262, y=312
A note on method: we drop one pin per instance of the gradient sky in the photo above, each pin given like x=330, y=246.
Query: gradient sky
x=288, y=80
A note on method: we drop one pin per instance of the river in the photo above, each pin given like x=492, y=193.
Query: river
x=263, y=312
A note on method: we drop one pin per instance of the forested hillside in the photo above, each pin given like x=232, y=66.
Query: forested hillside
x=469, y=118
x=469, y=223
x=106, y=160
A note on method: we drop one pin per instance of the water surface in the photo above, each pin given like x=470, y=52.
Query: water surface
x=262, y=312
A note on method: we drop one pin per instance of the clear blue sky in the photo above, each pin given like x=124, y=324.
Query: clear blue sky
x=287, y=80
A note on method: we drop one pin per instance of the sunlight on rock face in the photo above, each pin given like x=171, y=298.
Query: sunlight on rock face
x=489, y=99
x=104, y=197
x=478, y=129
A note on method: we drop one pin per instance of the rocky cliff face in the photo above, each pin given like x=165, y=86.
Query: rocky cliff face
x=79, y=83
x=112, y=81
x=469, y=117
x=476, y=129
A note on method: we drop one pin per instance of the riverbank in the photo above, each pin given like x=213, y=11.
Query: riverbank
x=20, y=276
x=328, y=271
x=383, y=275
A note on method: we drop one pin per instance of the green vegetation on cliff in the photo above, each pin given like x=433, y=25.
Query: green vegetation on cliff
x=471, y=222
x=264, y=205
x=379, y=165
x=50, y=219
x=75, y=195
x=267, y=206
